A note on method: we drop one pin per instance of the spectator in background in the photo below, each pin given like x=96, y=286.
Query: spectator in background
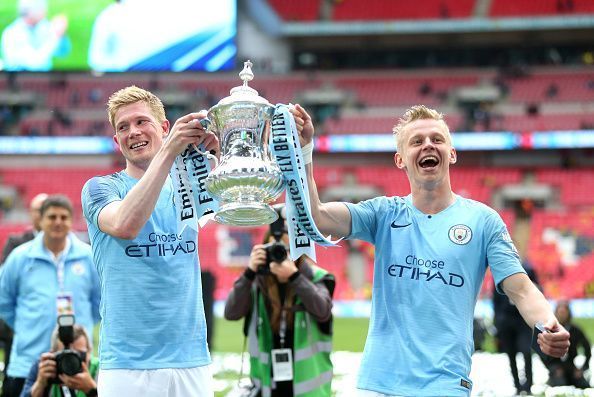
x=74, y=99
x=28, y=235
x=326, y=9
x=154, y=339
x=514, y=336
x=532, y=109
x=6, y=117
x=95, y=95
x=552, y=91
x=564, y=6
x=49, y=275
x=40, y=383
x=563, y=371
x=31, y=41
x=479, y=333
x=286, y=305
x=11, y=81
x=8, y=196
x=62, y=117
x=444, y=10
x=425, y=88
x=432, y=251
x=13, y=242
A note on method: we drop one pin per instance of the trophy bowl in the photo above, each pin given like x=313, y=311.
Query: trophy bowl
x=246, y=180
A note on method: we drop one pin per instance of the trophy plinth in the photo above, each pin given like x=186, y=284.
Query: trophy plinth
x=247, y=179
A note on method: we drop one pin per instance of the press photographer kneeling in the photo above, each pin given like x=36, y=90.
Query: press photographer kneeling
x=68, y=370
x=287, y=307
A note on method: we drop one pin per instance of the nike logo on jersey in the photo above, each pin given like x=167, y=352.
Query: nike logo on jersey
x=396, y=226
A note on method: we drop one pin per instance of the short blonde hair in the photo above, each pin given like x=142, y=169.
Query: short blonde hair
x=132, y=94
x=417, y=112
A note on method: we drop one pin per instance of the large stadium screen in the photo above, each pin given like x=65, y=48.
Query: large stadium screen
x=117, y=36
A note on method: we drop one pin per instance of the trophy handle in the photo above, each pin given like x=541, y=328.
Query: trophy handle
x=205, y=123
x=209, y=156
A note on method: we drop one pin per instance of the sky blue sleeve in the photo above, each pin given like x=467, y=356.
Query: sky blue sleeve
x=502, y=255
x=95, y=195
x=364, y=219
x=9, y=288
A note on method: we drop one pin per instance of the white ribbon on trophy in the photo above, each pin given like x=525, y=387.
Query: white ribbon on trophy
x=191, y=200
x=286, y=150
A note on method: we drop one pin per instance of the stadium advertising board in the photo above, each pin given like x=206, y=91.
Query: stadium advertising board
x=463, y=141
x=117, y=36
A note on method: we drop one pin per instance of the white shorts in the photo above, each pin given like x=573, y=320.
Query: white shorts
x=167, y=382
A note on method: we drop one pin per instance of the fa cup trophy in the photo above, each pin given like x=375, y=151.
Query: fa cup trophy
x=247, y=179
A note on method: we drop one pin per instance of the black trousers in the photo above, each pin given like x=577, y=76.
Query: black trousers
x=515, y=338
x=12, y=387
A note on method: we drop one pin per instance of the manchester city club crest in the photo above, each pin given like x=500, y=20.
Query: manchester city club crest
x=460, y=234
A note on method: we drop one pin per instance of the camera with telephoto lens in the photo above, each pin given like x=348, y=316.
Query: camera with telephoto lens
x=68, y=361
x=276, y=251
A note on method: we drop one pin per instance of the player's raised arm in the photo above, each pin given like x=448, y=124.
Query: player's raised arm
x=332, y=218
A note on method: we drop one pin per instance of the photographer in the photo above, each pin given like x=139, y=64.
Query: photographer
x=563, y=371
x=45, y=379
x=287, y=307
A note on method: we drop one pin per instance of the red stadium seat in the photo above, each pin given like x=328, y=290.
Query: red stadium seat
x=513, y=8
x=354, y=10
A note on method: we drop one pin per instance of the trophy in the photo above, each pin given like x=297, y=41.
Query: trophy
x=246, y=179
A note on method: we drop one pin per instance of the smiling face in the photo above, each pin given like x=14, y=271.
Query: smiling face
x=138, y=134
x=425, y=152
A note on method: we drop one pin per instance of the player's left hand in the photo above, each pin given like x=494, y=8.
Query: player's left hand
x=554, y=343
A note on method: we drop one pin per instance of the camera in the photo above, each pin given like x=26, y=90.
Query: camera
x=68, y=362
x=276, y=251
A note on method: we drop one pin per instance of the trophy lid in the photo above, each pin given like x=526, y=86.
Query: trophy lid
x=244, y=93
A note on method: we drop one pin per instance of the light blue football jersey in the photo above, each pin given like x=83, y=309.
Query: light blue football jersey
x=151, y=304
x=427, y=275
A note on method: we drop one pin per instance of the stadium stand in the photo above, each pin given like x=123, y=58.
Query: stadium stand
x=364, y=102
x=352, y=10
x=562, y=251
x=542, y=96
x=307, y=10
x=509, y=8
x=371, y=10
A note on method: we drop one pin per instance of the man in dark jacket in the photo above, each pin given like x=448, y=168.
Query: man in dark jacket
x=28, y=235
